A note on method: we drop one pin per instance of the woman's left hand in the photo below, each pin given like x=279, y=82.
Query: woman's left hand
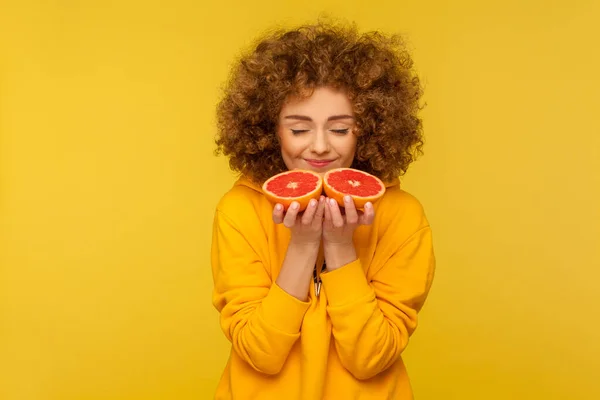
x=338, y=230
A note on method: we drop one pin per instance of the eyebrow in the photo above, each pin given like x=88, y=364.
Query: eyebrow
x=306, y=118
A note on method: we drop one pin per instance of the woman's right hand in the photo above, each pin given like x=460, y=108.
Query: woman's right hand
x=307, y=226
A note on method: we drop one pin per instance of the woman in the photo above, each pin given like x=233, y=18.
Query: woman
x=320, y=304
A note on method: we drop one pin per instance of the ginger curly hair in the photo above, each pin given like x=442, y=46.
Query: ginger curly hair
x=374, y=69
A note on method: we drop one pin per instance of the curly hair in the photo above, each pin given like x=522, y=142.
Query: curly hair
x=374, y=69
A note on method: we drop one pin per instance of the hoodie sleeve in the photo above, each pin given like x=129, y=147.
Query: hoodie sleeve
x=373, y=320
x=260, y=319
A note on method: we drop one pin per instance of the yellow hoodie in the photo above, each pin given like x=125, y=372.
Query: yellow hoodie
x=345, y=343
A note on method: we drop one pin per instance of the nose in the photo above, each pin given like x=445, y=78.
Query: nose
x=320, y=143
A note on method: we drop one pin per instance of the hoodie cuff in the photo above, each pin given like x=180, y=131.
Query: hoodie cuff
x=347, y=284
x=283, y=311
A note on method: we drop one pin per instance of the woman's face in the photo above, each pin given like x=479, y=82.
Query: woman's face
x=317, y=133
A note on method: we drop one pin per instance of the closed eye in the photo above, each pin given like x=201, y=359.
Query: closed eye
x=342, y=131
x=297, y=131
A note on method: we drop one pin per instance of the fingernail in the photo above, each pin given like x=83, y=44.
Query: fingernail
x=348, y=199
x=294, y=206
x=313, y=202
x=278, y=207
x=332, y=202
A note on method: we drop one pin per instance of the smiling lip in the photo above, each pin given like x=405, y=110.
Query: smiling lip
x=319, y=163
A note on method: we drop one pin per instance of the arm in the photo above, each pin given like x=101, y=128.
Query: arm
x=297, y=268
x=259, y=318
x=303, y=248
x=372, y=321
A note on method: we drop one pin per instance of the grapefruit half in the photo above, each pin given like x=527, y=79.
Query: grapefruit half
x=359, y=185
x=296, y=185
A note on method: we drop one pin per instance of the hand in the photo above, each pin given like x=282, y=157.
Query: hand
x=338, y=230
x=306, y=227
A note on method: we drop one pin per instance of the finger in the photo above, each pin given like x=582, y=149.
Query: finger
x=350, y=208
x=309, y=213
x=368, y=215
x=327, y=213
x=336, y=215
x=320, y=210
x=278, y=213
x=292, y=213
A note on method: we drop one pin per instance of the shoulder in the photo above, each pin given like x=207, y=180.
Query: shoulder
x=243, y=205
x=238, y=196
x=402, y=210
x=399, y=199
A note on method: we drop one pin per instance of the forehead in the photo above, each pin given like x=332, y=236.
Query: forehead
x=322, y=103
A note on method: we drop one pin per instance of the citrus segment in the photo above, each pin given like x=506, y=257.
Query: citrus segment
x=361, y=186
x=295, y=185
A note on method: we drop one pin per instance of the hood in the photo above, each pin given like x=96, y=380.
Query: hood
x=243, y=181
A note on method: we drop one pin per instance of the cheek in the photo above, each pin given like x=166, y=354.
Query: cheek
x=283, y=142
x=350, y=146
x=286, y=146
x=291, y=145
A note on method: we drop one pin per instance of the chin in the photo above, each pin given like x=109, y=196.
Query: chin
x=322, y=171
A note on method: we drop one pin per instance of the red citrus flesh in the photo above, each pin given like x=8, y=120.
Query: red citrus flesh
x=359, y=185
x=295, y=185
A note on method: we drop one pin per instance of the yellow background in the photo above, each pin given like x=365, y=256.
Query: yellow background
x=108, y=186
